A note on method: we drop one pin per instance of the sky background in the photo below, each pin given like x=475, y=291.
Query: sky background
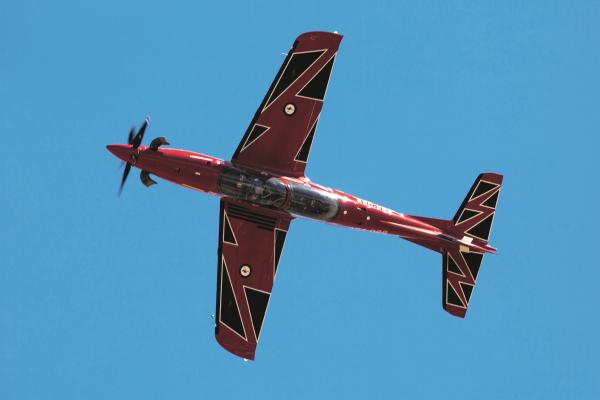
x=104, y=297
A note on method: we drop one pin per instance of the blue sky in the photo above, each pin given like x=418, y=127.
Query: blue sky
x=106, y=297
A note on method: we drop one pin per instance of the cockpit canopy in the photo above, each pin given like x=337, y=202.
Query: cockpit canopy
x=268, y=192
x=271, y=192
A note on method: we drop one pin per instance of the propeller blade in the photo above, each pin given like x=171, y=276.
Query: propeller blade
x=125, y=173
x=131, y=135
x=137, y=140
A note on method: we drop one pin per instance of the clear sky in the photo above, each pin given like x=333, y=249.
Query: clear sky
x=104, y=297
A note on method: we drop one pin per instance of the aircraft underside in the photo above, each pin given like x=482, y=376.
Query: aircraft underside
x=264, y=187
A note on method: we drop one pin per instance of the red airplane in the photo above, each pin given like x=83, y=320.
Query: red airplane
x=263, y=188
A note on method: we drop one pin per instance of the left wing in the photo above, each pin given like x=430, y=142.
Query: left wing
x=250, y=243
x=281, y=133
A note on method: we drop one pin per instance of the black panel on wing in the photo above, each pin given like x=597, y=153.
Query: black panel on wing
x=257, y=301
x=279, y=241
x=467, y=214
x=451, y=295
x=305, y=149
x=451, y=265
x=473, y=261
x=491, y=202
x=482, y=188
x=295, y=67
x=316, y=88
x=229, y=311
x=467, y=290
x=482, y=229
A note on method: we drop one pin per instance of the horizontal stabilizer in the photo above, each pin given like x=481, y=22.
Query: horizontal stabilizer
x=460, y=269
x=473, y=223
x=476, y=214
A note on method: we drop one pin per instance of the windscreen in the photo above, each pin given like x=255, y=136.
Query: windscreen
x=312, y=203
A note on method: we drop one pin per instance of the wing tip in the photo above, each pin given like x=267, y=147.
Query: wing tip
x=492, y=177
x=455, y=311
x=241, y=349
x=314, y=35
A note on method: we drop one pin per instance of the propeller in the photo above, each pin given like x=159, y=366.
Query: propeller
x=124, y=178
x=134, y=139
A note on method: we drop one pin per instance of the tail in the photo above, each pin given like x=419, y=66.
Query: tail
x=470, y=229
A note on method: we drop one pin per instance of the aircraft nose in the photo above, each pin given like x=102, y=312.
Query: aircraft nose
x=120, y=150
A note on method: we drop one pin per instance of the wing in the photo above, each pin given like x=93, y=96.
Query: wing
x=250, y=243
x=282, y=130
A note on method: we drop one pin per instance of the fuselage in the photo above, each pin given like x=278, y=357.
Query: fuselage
x=298, y=196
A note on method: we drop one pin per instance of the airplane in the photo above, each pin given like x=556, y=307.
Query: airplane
x=263, y=188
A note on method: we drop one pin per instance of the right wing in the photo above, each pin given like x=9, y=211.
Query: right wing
x=250, y=243
x=280, y=135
